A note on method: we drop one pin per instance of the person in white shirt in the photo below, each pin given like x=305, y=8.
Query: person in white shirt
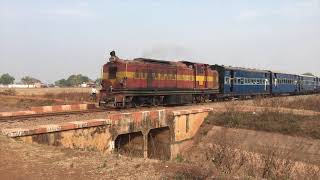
x=94, y=93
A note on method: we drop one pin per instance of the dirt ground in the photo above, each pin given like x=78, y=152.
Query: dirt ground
x=25, y=161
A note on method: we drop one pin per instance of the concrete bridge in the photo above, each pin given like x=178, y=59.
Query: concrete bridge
x=156, y=134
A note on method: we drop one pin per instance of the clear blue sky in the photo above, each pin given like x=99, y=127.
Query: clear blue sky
x=53, y=39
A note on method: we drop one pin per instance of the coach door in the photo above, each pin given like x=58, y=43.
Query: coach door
x=200, y=76
x=232, y=81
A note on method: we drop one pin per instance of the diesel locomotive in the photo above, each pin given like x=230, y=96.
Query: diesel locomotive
x=142, y=81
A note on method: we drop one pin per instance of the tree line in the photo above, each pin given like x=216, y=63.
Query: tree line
x=8, y=79
x=76, y=80
x=73, y=80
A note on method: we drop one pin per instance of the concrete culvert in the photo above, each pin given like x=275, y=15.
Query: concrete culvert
x=159, y=143
x=130, y=144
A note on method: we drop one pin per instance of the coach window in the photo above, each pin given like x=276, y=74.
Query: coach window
x=226, y=81
x=242, y=80
x=157, y=75
x=112, y=72
x=136, y=74
x=238, y=81
x=201, y=70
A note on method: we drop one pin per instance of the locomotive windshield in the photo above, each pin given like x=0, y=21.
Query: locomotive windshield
x=112, y=72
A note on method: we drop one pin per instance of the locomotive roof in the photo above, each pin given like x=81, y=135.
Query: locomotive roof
x=156, y=61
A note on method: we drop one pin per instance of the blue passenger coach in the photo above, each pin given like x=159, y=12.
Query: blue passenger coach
x=318, y=84
x=307, y=84
x=283, y=83
x=243, y=82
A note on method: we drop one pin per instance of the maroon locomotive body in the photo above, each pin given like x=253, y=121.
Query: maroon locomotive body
x=143, y=81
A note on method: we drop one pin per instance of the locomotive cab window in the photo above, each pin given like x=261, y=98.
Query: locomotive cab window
x=112, y=72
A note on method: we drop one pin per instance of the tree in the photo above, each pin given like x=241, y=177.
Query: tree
x=62, y=83
x=29, y=80
x=6, y=79
x=308, y=74
x=75, y=80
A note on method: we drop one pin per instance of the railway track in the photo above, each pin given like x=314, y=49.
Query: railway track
x=108, y=110
x=29, y=116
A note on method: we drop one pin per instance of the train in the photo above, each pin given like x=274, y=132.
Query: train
x=150, y=82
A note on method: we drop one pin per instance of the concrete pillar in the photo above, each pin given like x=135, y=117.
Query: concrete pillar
x=145, y=145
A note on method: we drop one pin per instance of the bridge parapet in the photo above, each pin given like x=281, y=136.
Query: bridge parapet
x=164, y=131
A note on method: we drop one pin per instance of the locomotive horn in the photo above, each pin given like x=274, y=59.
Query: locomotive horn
x=112, y=53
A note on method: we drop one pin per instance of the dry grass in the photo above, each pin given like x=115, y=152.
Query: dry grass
x=185, y=171
x=8, y=103
x=8, y=92
x=226, y=156
x=270, y=121
x=310, y=102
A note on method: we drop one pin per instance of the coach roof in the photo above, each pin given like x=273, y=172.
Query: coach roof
x=242, y=69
